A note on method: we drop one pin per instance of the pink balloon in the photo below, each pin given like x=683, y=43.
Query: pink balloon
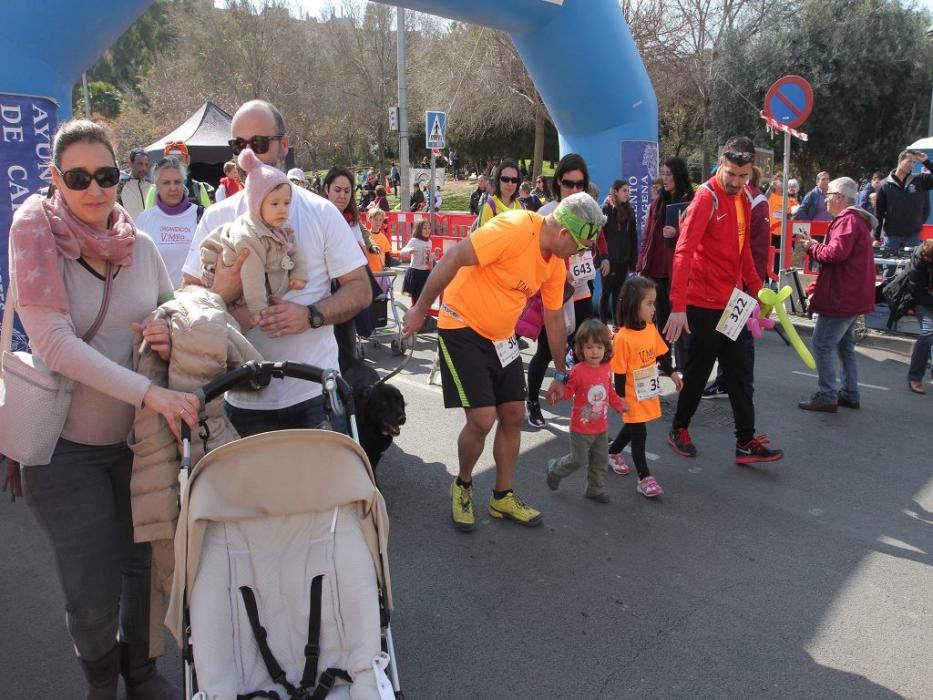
x=756, y=325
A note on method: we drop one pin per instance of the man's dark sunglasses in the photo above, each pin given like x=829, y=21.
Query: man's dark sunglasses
x=505, y=178
x=258, y=144
x=573, y=184
x=739, y=157
x=80, y=179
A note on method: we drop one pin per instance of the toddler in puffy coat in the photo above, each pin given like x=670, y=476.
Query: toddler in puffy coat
x=274, y=259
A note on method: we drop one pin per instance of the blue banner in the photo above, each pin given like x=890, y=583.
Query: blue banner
x=639, y=170
x=27, y=126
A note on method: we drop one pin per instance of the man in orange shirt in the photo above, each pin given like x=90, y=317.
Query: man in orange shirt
x=487, y=279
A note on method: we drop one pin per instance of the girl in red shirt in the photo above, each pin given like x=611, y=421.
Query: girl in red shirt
x=590, y=386
x=638, y=350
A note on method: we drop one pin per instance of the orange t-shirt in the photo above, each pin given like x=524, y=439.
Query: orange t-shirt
x=775, y=200
x=740, y=218
x=377, y=260
x=633, y=350
x=490, y=296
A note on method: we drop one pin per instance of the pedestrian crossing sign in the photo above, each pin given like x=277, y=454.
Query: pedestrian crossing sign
x=435, y=129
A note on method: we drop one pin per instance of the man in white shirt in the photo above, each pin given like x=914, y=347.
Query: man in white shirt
x=133, y=191
x=298, y=327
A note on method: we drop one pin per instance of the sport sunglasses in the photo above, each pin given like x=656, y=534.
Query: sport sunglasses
x=80, y=179
x=587, y=233
x=258, y=144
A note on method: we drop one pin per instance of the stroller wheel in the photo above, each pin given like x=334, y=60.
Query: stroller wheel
x=396, y=348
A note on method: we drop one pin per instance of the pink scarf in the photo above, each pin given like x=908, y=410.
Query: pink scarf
x=44, y=228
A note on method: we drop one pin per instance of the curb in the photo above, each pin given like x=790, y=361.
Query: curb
x=899, y=344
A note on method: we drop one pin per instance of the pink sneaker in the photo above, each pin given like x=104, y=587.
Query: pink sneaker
x=649, y=487
x=617, y=464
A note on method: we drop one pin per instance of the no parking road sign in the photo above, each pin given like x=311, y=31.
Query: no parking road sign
x=789, y=101
x=435, y=129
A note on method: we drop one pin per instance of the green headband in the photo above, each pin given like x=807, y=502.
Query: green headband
x=581, y=230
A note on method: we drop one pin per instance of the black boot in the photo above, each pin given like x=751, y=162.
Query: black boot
x=142, y=680
x=101, y=676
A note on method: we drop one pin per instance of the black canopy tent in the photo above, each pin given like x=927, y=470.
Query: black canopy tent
x=205, y=133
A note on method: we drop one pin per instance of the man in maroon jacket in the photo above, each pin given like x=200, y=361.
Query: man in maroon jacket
x=712, y=264
x=844, y=290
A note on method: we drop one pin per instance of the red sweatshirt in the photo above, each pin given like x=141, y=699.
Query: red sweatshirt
x=593, y=394
x=707, y=261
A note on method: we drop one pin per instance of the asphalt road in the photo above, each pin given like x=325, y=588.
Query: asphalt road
x=808, y=578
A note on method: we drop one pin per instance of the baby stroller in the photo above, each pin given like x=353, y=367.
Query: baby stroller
x=281, y=587
x=386, y=327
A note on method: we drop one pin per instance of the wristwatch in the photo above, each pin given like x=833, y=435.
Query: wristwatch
x=561, y=377
x=315, y=317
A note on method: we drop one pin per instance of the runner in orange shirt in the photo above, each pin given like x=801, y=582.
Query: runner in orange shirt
x=487, y=279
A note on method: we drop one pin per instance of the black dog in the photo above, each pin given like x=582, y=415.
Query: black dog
x=380, y=410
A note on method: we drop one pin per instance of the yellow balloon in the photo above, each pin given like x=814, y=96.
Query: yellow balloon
x=770, y=299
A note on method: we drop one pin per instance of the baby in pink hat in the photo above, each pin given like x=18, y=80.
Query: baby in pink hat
x=264, y=231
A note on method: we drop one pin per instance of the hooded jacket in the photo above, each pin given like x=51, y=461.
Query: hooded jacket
x=621, y=238
x=707, y=261
x=846, y=283
x=902, y=207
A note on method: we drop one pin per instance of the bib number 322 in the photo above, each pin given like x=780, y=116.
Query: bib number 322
x=736, y=314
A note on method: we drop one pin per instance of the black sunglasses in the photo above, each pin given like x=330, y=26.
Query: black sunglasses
x=573, y=184
x=80, y=179
x=506, y=178
x=739, y=157
x=258, y=144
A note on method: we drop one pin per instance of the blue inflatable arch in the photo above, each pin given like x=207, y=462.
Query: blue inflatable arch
x=579, y=53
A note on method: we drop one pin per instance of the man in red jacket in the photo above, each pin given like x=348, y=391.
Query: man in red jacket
x=712, y=263
x=844, y=290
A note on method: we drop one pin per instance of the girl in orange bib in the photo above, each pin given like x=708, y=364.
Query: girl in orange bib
x=638, y=351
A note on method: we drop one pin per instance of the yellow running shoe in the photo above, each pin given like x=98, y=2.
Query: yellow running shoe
x=514, y=508
x=462, y=506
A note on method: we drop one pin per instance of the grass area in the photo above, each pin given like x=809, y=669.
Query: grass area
x=456, y=193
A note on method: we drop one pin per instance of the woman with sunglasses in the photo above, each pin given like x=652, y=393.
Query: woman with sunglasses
x=541, y=190
x=570, y=176
x=172, y=222
x=505, y=194
x=656, y=257
x=64, y=249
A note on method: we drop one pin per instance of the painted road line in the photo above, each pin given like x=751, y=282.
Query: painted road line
x=867, y=386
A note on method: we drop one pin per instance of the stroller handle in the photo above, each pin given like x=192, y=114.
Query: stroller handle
x=259, y=374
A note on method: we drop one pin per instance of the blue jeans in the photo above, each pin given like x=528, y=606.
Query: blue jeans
x=830, y=336
x=81, y=500
x=307, y=414
x=921, y=353
x=897, y=242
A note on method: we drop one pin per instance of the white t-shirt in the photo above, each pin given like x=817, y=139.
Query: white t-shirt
x=172, y=235
x=331, y=252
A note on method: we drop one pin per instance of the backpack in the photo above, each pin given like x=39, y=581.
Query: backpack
x=491, y=201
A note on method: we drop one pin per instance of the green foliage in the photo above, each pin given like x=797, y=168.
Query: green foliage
x=127, y=61
x=869, y=62
x=106, y=99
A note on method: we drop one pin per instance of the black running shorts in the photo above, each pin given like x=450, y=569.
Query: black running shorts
x=471, y=373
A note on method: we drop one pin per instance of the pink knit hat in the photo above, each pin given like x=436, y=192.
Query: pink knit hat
x=261, y=179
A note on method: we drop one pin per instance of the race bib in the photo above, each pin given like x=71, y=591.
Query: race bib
x=647, y=382
x=582, y=267
x=736, y=314
x=507, y=350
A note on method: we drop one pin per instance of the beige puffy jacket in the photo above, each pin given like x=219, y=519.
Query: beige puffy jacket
x=206, y=341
